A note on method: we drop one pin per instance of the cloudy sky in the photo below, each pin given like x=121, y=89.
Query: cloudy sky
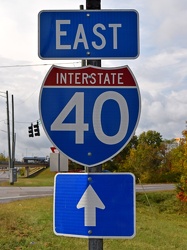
x=160, y=70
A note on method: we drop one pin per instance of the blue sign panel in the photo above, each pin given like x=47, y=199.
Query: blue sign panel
x=89, y=113
x=95, y=205
x=88, y=34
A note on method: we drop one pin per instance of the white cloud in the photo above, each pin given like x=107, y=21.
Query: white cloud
x=164, y=113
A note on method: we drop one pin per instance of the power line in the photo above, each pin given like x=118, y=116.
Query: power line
x=27, y=122
x=32, y=65
x=3, y=96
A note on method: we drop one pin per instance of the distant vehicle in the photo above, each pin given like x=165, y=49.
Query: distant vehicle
x=35, y=159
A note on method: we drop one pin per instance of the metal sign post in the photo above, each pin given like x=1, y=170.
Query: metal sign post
x=94, y=244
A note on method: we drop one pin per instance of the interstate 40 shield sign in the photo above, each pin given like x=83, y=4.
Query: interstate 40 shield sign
x=89, y=113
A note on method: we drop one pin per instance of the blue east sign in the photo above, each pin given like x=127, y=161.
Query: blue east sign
x=88, y=34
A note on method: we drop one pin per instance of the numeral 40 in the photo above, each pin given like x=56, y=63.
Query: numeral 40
x=80, y=127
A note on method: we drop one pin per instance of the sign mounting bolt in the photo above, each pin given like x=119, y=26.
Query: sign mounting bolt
x=89, y=179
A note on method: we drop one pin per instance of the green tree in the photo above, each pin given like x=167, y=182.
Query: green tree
x=145, y=160
x=2, y=157
x=169, y=171
x=182, y=184
x=114, y=164
x=150, y=137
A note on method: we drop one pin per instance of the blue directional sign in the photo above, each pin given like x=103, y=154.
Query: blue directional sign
x=94, y=205
x=88, y=34
x=89, y=113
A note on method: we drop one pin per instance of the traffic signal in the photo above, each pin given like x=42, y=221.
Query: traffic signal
x=36, y=129
x=30, y=129
x=93, y=4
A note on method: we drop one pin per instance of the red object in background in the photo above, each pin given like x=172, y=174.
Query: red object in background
x=54, y=150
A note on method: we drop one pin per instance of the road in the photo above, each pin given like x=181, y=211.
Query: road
x=12, y=193
x=155, y=187
x=4, y=175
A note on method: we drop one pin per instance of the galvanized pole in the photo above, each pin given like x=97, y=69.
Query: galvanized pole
x=13, y=135
x=94, y=244
x=83, y=61
x=8, y=130
x=93, y=5
x=9, y=144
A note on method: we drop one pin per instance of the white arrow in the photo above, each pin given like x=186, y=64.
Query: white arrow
x=90, y=201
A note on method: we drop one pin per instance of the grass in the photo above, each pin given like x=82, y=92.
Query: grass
x=27, y=224
x=44, y=178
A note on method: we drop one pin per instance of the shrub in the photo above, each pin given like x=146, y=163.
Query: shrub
x=182, y=188
x=22, y=171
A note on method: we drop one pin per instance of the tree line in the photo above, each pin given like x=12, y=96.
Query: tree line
x=153, y=159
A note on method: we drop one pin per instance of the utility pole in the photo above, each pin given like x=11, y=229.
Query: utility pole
x=11, y=153
x=8, y=131
x=13, y=135
x=94, y=244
